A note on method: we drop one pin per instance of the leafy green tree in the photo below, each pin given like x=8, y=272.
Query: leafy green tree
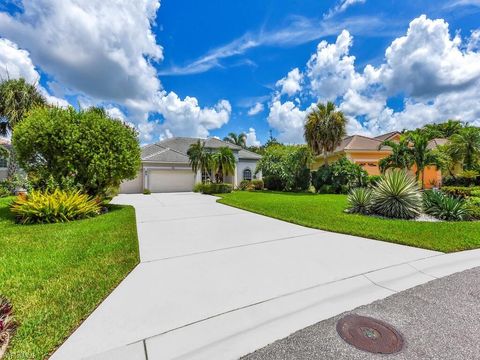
x=224, y=163
x=324, y=129
x=236, y=139
x=86, y=149
x=400, y=158
x=200, y=158
x=442, y=130
x=17, y=97
x=466, y=146
x=340, y=177
x=286, y=167
x=422, y=155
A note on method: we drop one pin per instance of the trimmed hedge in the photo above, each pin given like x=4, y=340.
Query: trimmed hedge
x=213, y=188
x=460, y=191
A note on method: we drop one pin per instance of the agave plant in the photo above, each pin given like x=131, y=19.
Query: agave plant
x=397, y=196
x=445, y=207
x=7, y=325
x=360, y=201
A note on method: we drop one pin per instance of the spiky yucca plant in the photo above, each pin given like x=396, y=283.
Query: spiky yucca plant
x=360, y=201
x=445, y=207
x=7, y=324
x=397, y=196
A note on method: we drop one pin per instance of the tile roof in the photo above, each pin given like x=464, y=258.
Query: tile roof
x=175, y=149
x=359, y=142
x=387, y=136
x=434, y=143
x=248, y=155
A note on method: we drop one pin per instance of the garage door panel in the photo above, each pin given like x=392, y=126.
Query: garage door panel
x=132, y=186
x=170, y=180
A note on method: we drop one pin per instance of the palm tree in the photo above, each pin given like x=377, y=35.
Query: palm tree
x=17, y=97
x=443, y=130
x=223, y=163
x=466, y=146
x=200, y=158
x=400, y=158
x=236, y=139
x=421, y=154
x=324, y=129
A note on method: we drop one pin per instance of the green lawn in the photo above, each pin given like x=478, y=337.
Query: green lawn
x=326, y=212
x=56, y=274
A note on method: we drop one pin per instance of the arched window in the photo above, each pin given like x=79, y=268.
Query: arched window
x=247, y=174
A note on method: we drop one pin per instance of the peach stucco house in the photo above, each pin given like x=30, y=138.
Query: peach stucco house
x=368, y=151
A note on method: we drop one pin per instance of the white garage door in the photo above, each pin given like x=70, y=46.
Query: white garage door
x=132, y=186
x=170, y=180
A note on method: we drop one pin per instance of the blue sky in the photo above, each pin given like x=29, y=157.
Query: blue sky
x=197, y=68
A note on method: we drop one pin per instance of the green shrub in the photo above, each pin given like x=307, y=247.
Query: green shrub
x=342, y=175
x=86, y=148
x=473, y=205
x=286, y=167
x=243, y=184
x=59, y=206
x=373, y=180
x=198, y=187
x=10, y=185
x=460, y=191
x=214, y=188
x=397, y=196
x=445, y=207
x=257, y=184
x=360, y=201
x=273, y=182
x=327, y=189
x=146, y=192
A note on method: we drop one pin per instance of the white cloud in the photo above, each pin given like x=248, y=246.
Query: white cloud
x=300, y=30
x=473, y=43
x=438, y=74
x=16, y=63
x=101, y=51
x=256, y=109
x=99, y=48
x=331, y=70
x=291, y=84
x=341, y=6
x=186, y=118
x=252, y=138
x=288, y=120
x=427, y=61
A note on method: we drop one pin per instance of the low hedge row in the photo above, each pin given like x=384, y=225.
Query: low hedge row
x=256, y=184
x=213, y=188
x=461, y=191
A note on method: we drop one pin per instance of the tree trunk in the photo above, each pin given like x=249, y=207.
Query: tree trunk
x=12, y=164
x=423, y=179
x=325, y=158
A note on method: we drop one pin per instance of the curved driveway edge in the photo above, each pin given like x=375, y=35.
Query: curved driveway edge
x=216, y=282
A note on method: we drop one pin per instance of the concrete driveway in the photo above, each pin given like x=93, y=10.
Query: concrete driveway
x=217, y=282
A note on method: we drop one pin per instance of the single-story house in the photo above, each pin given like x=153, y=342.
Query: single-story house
x=368, y=151
x=166, y=166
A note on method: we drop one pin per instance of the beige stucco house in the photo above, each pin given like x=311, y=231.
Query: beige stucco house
x=166, y=168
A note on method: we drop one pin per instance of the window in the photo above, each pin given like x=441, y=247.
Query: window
x=247, y=174
x=3, y=162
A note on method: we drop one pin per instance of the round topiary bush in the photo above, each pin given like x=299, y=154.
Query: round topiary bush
x=397, y=196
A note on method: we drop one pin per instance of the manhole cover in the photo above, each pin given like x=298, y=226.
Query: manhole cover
x=369, y=334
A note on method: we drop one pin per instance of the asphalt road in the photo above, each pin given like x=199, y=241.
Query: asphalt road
x=438, y=320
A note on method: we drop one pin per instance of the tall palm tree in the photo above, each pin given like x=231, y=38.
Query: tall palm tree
x=422, y=155
x=223, y=163
x=236, y=139
x=200, y=158
x=443, y=130
x=324, y=129
x=400, y=158
x=17, y=97
x=466, y=146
